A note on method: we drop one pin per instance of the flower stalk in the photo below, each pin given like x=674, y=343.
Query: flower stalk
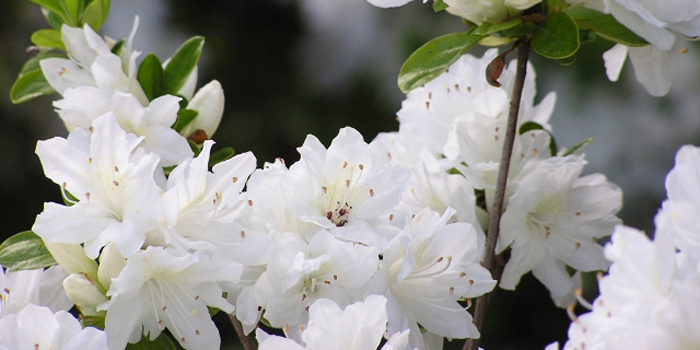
x=491, y=262
x=248, y=341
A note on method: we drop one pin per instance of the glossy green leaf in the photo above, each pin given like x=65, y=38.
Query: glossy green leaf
x=439, y=5
x=577, y=148
x=151, y=77
x=57, y=7
x=30, y=85
x=74, y=11
x=221, y=155
x=25, y=251
x=606, y=26
x=184, y=118
x=556, y=37
x=522, y=29
x=54, y=20
x=488, y=28
x=48, y=38
x=182, y=64
x=433, y=59
x=193, y=146
x=97, y=321
x=163, y=342
x=96, y=13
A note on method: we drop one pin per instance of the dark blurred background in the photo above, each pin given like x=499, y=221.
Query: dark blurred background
x=294, y=67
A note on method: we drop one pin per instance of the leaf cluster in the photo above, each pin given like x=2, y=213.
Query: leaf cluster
x=555, y=30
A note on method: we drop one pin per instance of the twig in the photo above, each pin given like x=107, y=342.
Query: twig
x=496, y=269
x=248, y=341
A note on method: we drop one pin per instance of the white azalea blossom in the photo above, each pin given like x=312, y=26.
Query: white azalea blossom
x=39, y=287
x=678, y=217
x=346, y=188
x=553, y=219
x=114, y=182
x=37, y=327
x=477, y=11
x=661, y=24
x=648, y=301
x=359, y=326
x=167, y=287
x=300, y=273
x=424, y=272
x=200, y=208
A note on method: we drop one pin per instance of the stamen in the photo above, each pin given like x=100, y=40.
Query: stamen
x=570, y=312
x=235, y=179
x=581, y=300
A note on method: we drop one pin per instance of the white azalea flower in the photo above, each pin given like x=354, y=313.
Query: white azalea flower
x=429, y=115
x=92, y=69
x=424, y=272
x=649, y=300
x=152, y=122
x=477, y=11
x=167, y=287
x=660, y=24
x=113, y=181
x=347, y=187
x=678, y=218
x=201, y=208
x=359, y=326
x=40, y=287
x=37, y=327
x=554, y=219
x=300, y=273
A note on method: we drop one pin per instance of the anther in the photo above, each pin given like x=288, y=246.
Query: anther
x=462, y=274
x=235, y=179
x=115, y=183
x=452, y=290
x=242, y=234
x=371, y=192
x=164, y=308
x=250, y=202
x=362, y=167
x=116, y=169
x=347, y=182
x=324, y=189
x=345, y=164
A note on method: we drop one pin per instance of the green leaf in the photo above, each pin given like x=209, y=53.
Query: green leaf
x=577, y=148
x=194, y=147
x=606, y=26
x=54, y=20
x=182, y=64
x=25, y=251
x=29, y=86
x=96, y=13
x=117, y=47
x=556, y=37
x=221, y=155
x=74, y=11
x=48, y=38
x=151, y=77
x=57, y=7
x=163, y=342
x=488, y=28
x=523, y=29
x=433, y=59
x=184, y=118
x=97, y=321
x=439, y=5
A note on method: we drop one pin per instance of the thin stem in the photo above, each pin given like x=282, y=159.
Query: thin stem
x=248, y=341
x=490, y=261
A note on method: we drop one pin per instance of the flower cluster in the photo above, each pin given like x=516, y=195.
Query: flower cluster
x=649, y=299
x=154, y=232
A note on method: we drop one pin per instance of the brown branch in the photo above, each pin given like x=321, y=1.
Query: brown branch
x=248, y=341
x=490, y=263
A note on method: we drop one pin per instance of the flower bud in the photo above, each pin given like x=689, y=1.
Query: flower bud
x=489, y=11
x=72, y=258
x=82, y=291
x=209, y=102
x=111, y=264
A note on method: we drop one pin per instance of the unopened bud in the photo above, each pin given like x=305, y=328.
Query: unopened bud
x=82, y=291
x=111, y=264
x=209, y=103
